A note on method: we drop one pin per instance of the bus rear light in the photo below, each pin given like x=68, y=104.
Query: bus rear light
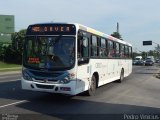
x=65, y=88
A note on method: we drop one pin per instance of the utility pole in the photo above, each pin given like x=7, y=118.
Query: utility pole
x=117, y=27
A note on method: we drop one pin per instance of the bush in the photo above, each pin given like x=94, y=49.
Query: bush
x=2, y=51
x=12, y=56
x=9, y=55
x=13, y=53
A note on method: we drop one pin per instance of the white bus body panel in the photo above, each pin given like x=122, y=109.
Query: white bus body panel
x=108, y=70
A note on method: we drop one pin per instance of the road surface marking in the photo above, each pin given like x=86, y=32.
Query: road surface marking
x=13, y=103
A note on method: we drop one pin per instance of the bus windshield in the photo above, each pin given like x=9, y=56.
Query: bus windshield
x=49, y=52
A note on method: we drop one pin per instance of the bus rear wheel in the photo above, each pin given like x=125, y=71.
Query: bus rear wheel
x=92, y=88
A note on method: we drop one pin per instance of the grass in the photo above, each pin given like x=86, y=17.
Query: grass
x=8, y=67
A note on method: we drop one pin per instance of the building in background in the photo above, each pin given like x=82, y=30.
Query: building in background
x=6, y=28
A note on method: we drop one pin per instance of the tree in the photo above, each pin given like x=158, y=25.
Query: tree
x=116, y=35
x=2, y=51
x=12, y=56
x=144, y=55
x=18, y=40
x=13, y=53
x=157, y=49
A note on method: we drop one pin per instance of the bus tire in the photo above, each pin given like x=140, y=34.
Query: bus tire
x=121, y=76
x=92, y=88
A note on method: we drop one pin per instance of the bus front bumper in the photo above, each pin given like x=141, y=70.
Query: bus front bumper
x=68, y=89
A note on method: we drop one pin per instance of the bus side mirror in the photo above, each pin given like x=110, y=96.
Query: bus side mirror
x=82, y=61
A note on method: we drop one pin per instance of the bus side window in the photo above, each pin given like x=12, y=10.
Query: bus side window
x=103, y=51
x=122, y=51
x=110, y=49
x=126, y=52
x=94, y=44
x=117, y=50
x=130, y=52
x=83, y=50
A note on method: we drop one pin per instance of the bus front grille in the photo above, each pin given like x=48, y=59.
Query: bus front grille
x=45, y=86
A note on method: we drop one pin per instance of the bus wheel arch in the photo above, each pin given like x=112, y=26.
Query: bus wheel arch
x=121, y=78
x=93, y=84
x=97, y=78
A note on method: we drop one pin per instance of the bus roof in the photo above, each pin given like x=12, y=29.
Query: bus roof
x=91, y=30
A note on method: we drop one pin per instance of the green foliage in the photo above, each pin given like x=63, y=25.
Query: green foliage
x=12, y=56
x=18, y=40
x=2, y=52
x=153, y=53
x=144, y=55
x=8, y=65
x=116, y=35
x=157, y=48
x=13, y=53
x=7, y=54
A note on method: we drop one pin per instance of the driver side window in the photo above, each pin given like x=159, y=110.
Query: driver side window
x=83, y=49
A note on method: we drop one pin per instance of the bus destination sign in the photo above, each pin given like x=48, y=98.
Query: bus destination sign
x=51, y=29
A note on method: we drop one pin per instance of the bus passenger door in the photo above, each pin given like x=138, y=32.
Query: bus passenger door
x=83, y=70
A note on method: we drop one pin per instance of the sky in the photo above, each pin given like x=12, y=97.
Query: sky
x=139, y=20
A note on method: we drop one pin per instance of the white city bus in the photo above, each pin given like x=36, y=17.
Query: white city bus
x=72, y=58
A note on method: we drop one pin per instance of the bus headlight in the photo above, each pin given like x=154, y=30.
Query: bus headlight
x=65, y=80
x=26, y=75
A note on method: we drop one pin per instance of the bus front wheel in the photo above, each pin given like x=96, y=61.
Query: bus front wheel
x=92, y=88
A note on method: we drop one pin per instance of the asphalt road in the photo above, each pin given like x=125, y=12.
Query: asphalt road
x=137, y=94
